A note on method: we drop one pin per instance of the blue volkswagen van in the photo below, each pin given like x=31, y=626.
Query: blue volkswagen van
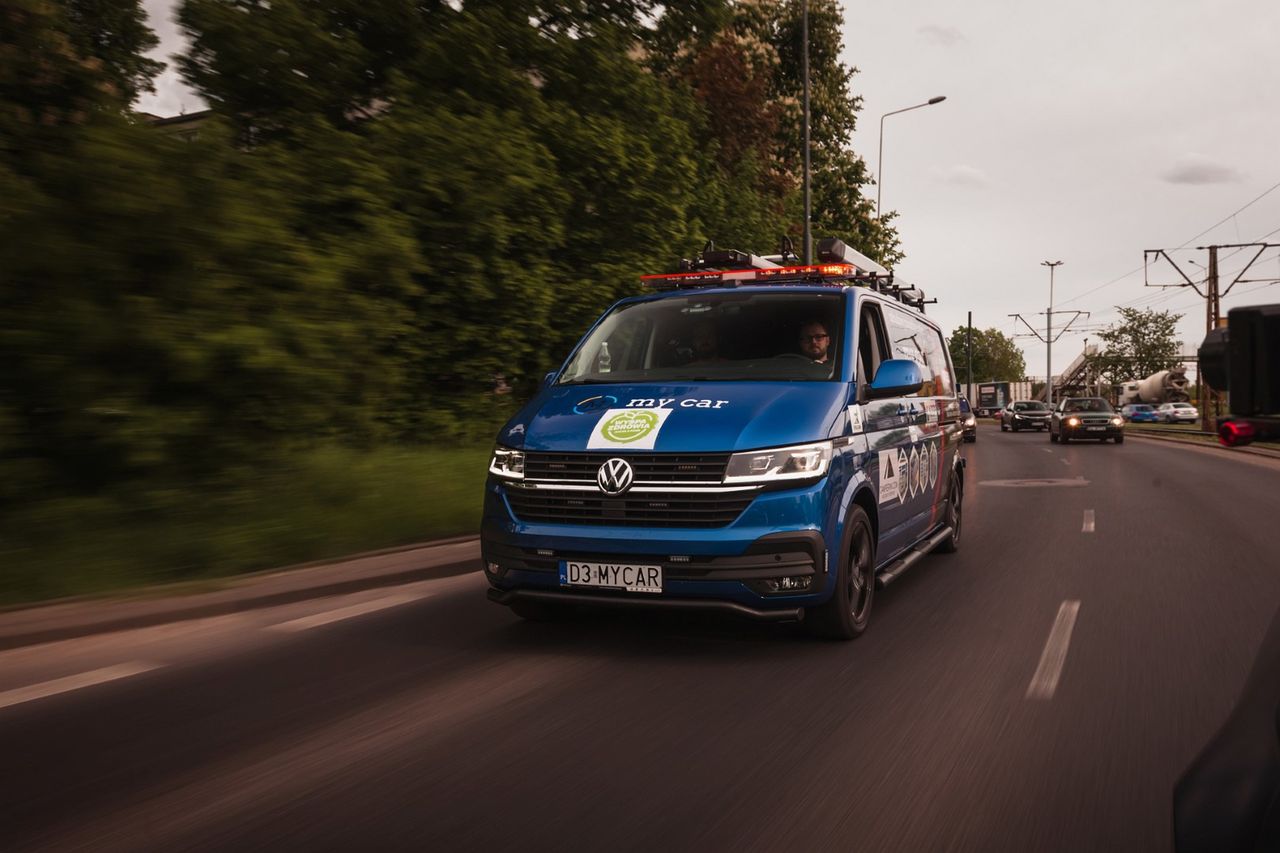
x=769, y=440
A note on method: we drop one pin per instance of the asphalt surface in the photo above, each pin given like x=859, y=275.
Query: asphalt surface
x=1040, y=690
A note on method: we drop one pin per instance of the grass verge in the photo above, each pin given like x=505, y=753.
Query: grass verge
x=317, y=505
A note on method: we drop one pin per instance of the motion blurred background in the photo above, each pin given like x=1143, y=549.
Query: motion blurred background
x=287, y=327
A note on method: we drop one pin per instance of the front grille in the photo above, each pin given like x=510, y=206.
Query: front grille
x=670, y=509
x=649, y=467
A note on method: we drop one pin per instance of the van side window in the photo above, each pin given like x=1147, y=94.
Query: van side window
x=870, y=344
x=940, y=363
x=909, y=338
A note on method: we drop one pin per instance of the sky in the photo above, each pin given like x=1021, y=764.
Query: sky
x=1083, y=132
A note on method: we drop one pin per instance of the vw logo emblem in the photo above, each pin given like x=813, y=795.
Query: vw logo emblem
x=615, y=476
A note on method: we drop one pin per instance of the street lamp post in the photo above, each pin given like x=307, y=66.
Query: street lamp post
x=880, y=161
x=804, y=51
x=1048, y=335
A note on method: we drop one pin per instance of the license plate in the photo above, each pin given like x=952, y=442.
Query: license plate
x=1095, y=429
x=626, y=576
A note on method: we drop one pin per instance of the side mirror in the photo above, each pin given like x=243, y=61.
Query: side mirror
x=895, y=377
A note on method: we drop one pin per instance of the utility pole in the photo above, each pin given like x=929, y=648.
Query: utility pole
x=1048, y=335
x=804, y=50
x=968, y=372
x=1048, y=338
x=1212, y=296
x=1213, y=311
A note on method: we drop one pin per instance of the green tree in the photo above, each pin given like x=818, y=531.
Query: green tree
x=996, y=358
x=115, y=33
x=1142, y=343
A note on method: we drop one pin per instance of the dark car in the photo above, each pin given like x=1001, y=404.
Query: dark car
x=1085, y=417
x=1024, y=414
x=1140, y=413
x=968, y=420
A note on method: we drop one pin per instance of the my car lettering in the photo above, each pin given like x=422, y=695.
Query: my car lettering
x=664, y=402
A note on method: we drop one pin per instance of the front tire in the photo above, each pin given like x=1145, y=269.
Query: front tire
x=1053, y=437
x=1119, y=439
x=1062, y=438
x=845, y=615
x=955, y=501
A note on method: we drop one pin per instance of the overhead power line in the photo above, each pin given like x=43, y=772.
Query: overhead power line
x=1184, y=244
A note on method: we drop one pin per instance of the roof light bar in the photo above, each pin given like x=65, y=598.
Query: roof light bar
x=703, y=277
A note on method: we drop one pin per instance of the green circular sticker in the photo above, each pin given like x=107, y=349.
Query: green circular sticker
x=627, y=427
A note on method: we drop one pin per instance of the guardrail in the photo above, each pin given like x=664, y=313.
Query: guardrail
x=1128, y=427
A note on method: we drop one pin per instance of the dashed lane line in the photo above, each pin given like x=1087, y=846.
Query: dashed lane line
x=1045, y=681
x=1088, y=521
x=74, y=682
x=329, y=616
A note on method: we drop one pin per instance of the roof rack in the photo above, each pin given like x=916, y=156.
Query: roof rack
x=839, y=265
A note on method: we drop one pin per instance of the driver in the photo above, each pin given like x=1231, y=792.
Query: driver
x=814, y=341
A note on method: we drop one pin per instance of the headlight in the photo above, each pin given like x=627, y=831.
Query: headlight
x=1073, y=422
x=1118, y=421
x=508, y=464
x=971, y=421
x=802, y=462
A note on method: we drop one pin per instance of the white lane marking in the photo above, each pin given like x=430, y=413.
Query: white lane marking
x=1045, y=681
x=318, y=619
x=1046, y=450
x=1065, y=461
x=74, y=682
x=1088, y=521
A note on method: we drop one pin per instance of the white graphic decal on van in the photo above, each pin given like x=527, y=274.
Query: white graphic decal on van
x=629, y=428
x=905, y=474
x=915, y=471
x=855, y=418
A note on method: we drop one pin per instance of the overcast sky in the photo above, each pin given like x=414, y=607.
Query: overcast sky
x=1083, y=132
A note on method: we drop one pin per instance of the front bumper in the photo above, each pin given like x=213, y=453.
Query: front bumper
x=777, y=614
x=1030, y=423
x=780, y=534
x=1082, y=431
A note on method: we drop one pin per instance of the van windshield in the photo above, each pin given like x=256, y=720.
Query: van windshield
x=715, y=337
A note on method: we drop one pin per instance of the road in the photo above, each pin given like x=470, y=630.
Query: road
x=976, y=713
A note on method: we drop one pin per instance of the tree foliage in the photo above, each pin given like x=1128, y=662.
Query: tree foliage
x=1142, y=343
x=398, y=208
x=115, y=34
x=996, y=358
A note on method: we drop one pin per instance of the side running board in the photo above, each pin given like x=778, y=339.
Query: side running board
x=894, y=570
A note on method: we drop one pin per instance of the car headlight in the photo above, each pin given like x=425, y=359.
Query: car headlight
x=1073, y=422
x=1118, y=421
x=507, y=463
x=971, y=421
x=801, y=462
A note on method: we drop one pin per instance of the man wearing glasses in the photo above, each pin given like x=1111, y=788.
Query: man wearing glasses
x=814, y=341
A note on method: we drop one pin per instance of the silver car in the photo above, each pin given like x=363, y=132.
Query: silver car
x=1024, y=414
x=1178, y=413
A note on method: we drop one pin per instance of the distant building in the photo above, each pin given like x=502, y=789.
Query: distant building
x=186, y=126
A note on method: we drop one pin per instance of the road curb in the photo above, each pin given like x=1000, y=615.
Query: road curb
x=150, y=606
x=1208, y=445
